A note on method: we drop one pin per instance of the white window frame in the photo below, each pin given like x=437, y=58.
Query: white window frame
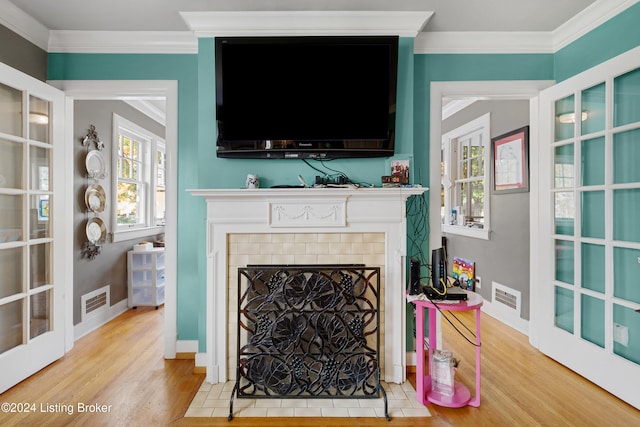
x=481, y=125
x=160, y=147
x=150, y=144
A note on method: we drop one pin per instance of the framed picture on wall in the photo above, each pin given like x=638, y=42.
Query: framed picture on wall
x=510, y=161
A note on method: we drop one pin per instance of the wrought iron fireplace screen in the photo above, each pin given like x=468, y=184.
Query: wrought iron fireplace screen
x=308, y=332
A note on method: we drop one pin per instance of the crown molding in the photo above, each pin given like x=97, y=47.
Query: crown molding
x=24, y=25
x=265, y=23
x=591, y=17
x=522, y=42
x=123, y=42
x=149, y=109
x=281, y=23
x=483, y=42
x=456, y=105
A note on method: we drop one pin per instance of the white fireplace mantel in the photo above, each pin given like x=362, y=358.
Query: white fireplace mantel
x=307, y=210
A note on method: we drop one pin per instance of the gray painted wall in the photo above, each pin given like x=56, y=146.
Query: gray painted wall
x=22, y=55
x=110, y=267
x=504, y=258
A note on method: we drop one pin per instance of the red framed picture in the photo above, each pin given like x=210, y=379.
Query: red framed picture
x=510, y=161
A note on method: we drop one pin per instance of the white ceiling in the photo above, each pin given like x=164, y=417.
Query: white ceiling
x=163, y=15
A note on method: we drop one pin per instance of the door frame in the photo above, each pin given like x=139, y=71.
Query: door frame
x=485, y=90
x=128, y=89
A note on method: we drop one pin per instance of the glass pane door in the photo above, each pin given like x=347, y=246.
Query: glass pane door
x=13, y=292
x=591, y=298
x=31, y=304
x=626, y=227
x=596, y=215
x=25, y=260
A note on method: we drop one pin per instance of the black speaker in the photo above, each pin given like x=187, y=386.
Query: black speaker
x=415, y=287
x=438, y=270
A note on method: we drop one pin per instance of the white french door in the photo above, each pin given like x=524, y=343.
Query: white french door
x=588, y=245
x=34, y=238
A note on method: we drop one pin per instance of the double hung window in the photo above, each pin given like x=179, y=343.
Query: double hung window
x=465, y=179
x=139, y=180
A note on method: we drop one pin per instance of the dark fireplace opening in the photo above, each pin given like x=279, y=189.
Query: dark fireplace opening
x=308, y=331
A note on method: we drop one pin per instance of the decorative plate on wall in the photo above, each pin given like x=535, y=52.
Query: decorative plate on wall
x=95, y=164
x=96, y=230
x=95, y=198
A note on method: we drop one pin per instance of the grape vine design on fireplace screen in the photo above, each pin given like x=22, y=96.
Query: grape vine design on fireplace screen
x=309, y=332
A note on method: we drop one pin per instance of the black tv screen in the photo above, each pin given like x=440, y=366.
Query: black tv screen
x=306, y=97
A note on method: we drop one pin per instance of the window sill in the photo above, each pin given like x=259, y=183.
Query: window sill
x=138, y=233
x=476, y=233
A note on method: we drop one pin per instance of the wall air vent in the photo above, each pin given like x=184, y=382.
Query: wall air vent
x=506, y=298
x=95, y=303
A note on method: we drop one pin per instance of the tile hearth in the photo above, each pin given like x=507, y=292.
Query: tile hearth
x=212, y=400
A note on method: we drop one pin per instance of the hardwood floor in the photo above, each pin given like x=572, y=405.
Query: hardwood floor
x=120, y=366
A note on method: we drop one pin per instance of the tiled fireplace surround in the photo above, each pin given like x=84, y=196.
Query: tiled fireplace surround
x=304, y=226
x=298, y=248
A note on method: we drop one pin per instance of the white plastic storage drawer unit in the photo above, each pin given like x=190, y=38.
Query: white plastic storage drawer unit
x=146, y=277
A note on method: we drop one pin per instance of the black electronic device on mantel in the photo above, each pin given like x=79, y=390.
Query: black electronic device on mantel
x=306, y=97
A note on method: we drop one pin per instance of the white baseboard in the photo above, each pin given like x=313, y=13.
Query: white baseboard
x=187, y=346
x=201, y=360
x=509, y=319
x=411, y=358
x=83, y=328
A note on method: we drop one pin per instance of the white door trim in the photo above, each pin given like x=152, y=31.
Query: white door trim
x=486, y=90
x=127, y=89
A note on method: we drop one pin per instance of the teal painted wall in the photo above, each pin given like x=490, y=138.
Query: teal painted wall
x=207, y=176
x=618, y=35
x=198, y=167
x=182, y=68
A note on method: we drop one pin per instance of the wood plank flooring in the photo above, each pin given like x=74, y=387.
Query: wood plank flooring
x=120, y=365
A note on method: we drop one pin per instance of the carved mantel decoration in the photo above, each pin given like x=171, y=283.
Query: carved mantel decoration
x=310, y=213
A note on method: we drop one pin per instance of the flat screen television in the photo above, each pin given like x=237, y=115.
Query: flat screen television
x=306, y=97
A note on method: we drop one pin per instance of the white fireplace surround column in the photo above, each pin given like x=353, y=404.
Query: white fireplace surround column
x=307, y=210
